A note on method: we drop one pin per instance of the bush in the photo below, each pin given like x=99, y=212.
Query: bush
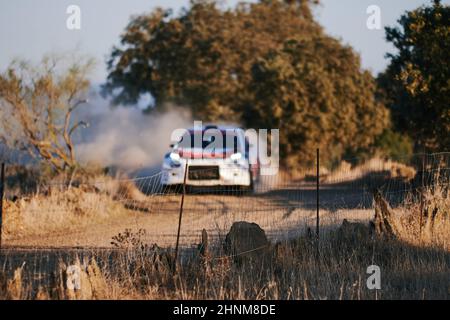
x=395, y=146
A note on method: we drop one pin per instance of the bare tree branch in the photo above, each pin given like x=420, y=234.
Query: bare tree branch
x=41, y=102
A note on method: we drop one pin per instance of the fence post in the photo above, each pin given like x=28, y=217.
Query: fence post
x=179, y=218
x=2, y=191
x=317, y=195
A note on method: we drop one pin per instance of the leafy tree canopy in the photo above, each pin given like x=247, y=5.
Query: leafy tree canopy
x=265, y=65
x=417, y=82
x=314, y=91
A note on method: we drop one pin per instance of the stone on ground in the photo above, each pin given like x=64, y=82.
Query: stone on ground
x=246, y=241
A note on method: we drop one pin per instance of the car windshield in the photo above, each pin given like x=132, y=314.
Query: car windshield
x=223, y=139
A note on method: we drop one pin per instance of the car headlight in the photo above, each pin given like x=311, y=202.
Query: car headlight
x=236, y=156
x=175, y=157
x=172, y=160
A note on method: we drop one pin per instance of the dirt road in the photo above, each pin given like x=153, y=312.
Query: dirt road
x=281, y=213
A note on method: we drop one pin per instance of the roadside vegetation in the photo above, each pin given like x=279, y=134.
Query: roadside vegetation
x=414, y=260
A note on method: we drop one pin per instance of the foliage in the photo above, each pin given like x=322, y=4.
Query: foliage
x=203, y=57
x=394, y=145
x=37, y=104
x=265, y=64
x=314, y=91
x=416, y=83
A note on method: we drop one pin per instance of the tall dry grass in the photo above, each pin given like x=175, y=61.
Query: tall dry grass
x=62, y=208
x=414, y=265
x=424, y=218
x=346, y=172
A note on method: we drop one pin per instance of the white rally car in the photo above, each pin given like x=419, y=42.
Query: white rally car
x=213, y=156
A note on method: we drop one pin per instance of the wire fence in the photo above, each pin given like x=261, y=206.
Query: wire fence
x=89, y=213
x=57, y=220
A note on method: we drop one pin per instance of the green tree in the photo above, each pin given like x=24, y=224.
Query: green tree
x=314, y=91
x=203, y=57
x=208, y=59
x=416, y=84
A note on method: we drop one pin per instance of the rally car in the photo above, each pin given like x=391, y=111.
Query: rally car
x=213, y=156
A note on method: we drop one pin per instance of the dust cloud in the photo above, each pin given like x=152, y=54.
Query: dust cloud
x=126, y=137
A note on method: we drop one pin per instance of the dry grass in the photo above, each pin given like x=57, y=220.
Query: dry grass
x=59, y=209
x=295, y=270
x=414, y=265
x=347, y=172
x=426, y=222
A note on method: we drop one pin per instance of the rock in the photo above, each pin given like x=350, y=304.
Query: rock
x=354, y=231
x=246, y=242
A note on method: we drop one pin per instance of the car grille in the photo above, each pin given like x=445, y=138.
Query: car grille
x=203, y=172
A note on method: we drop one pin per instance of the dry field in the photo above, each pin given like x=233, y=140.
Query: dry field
x=44, y=233
x=215, y=213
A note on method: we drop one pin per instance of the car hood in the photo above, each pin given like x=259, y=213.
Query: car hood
x=188, y=153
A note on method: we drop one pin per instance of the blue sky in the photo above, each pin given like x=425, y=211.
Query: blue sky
x=32, y=28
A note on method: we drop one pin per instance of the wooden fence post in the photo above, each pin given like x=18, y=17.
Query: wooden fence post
x=204, y=245
x=204, y=252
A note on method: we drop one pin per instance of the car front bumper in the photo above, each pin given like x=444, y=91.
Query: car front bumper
x=229, y=174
